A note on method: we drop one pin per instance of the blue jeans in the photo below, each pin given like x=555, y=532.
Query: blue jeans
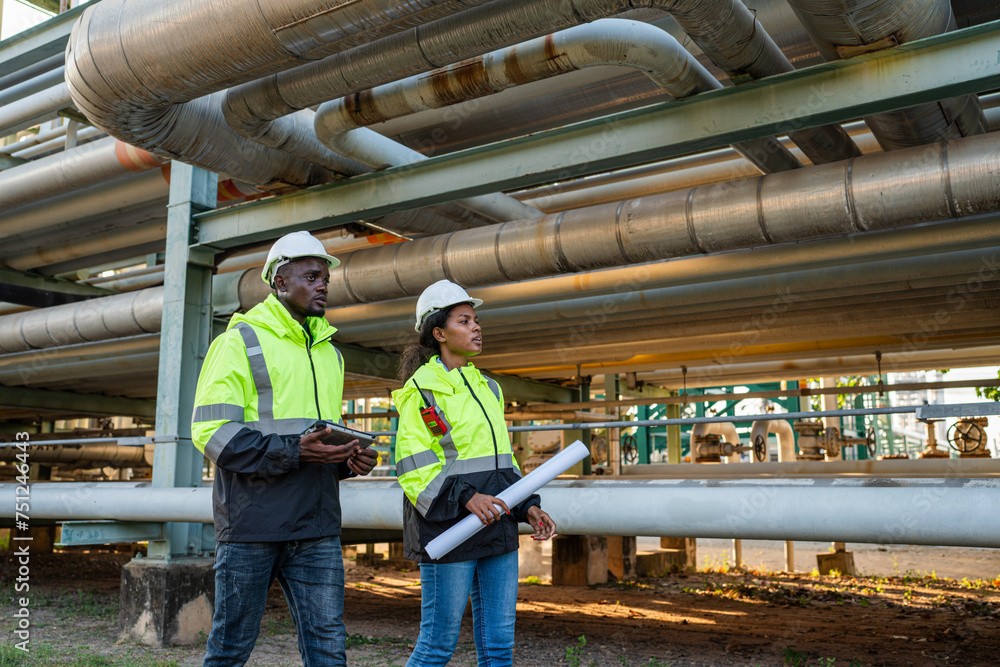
x=311, y=573
x=444, y=590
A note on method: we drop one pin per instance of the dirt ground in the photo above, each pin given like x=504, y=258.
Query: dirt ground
x=717, y=616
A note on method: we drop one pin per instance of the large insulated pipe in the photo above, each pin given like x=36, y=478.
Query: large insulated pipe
x=80, y=167
x=873, y=192
x=835, y=261
x=723, y=28
x=786, y=438
x=91, y=453
x=604, y=42
x=121, y=76
x=844, y=30
x=107, y=317
x=948, y=512
x=33, y=109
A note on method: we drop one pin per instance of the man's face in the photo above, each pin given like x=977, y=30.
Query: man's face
x=302, y=286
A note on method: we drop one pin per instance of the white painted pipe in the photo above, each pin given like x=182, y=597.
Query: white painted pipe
x=33, y=109
x=956, y=512
x=786, y=438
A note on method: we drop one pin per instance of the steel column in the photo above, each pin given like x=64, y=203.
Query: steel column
x=184, y=339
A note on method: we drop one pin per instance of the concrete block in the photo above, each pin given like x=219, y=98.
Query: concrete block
x=579, y=560
x=621, y=557
x=842, y=561
x=529, y=559
x=167, y=603
x=369, y=558
x=688, y=545
x=658, y=563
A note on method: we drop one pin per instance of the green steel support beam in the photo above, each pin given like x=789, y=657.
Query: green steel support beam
x=642, y=438
x=35, y=281
x=8, y=162
x=38, y=43
x=530, y=390
x=370, y=363
x=184, y=339
x=76, y=533
x=84, y=404
x=955, y=63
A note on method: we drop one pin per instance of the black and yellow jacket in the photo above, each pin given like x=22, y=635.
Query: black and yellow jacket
x=264, y=381
x=440, y=474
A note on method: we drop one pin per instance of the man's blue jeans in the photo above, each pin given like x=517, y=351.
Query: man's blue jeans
x=311, y=573
x=444, y=590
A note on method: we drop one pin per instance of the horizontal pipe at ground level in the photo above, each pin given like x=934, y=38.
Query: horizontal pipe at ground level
x=896, y=511
x=945, y=468
x=94, y=454
x=708, y=420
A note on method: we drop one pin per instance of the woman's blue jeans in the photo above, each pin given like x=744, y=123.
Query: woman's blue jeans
x=444, y=590
x=311, y=573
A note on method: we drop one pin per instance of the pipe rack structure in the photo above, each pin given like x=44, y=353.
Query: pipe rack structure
x=695, y=193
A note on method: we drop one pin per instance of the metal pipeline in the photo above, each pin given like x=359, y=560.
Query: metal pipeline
x=786, y=439
x=32, y=71
x=742, y=46
x=85, y=135
x=868, y=193
x=94, y=455
x=122, y=78
x=33, y=109
x=944, y=512
x=115, y=316
x=604, y=42
x=80, y=167
x=904, y=468
x=844, y=30
x=44, y=81
x=150, y=101
x=705, y=297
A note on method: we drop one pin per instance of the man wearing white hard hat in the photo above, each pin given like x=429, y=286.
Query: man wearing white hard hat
x=266, y=380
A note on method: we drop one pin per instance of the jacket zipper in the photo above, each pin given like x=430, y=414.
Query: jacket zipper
x=496, y=448
x=319, y=415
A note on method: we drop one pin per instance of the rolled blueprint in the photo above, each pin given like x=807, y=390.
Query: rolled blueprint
x=512, y=495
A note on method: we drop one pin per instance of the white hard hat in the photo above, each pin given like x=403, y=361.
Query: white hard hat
x=291, y=247
x=439, y=296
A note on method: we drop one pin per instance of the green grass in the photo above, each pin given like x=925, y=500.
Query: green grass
x=41, y=655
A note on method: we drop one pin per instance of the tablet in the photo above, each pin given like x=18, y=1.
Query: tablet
x=341, y=435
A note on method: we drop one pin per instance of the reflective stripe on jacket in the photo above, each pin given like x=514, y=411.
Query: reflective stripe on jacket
x=264, y=381
x=440, y=474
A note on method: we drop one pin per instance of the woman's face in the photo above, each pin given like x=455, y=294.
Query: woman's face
x=461, y=334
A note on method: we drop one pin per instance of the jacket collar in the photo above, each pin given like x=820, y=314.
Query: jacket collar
x=433, y=376
x=274, y=317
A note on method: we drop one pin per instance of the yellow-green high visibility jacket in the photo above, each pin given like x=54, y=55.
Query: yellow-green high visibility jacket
x=264, y=381
x=440, y=474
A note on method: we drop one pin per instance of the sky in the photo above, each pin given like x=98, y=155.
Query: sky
x=19, y=15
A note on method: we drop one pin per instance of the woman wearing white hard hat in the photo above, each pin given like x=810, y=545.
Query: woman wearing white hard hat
x=453, y=456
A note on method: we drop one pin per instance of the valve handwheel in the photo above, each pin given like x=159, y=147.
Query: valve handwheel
x=870, y=442
x=760, y=449
x=965, y=437
x=630, y=448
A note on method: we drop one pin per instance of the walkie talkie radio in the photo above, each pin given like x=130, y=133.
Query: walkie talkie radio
x=431, y=415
